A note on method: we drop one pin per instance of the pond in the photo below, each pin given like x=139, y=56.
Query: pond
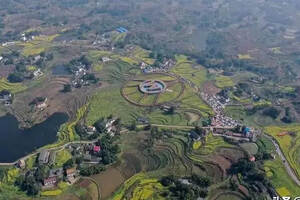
x=60, y=70
x=16, y=143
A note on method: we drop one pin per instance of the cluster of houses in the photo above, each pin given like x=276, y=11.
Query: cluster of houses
x=55, y=174
x=26, y=38
x=89, y=152
x=6, y=97
x=219, y=120
x=164, y=67
x=223, y=125
x=79, y=71
x=103, y=41
x=58, y=174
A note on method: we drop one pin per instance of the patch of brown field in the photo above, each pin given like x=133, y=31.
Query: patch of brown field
x=222, y=162
x=84, y=183
x=57, y=101
x=209, y=88
x=232, y=154
x=131, y=165
x=214, y=171
x=6, y=70
x=244, y=190
x=93, y=191
x=109, y=181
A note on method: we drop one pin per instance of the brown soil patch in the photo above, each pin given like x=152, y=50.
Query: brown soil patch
x=131, y=166
x=222, y=162
x=109, y=181
x=210, y=88
x=6, y=70
x=232, y=154
x=84, y=183
x=57, y=101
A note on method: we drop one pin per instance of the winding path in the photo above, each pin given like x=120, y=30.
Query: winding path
x=287, y=165
x=95, y=182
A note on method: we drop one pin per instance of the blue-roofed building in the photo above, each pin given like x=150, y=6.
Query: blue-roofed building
x=122, y=30
x=246, y=131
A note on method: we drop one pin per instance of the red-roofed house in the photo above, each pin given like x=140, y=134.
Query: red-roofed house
x=252, y=159
x=50, y=182
x=96, y=149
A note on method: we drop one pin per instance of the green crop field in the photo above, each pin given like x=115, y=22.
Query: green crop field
x=12, y=87
x=184, y=68
x=190, y=100
x=109, y=101
x=288, y=143
x=278, y=176
x=38, y=45
x=224, y=82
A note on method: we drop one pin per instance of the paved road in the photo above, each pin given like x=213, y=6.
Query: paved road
x=288, y=168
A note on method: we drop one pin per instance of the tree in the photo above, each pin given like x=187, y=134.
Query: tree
x=271, y=112
x=167, y=180
x=68, y=164
x=67, y=88
x=132, y=126
x=200, y=131
x=15, y=78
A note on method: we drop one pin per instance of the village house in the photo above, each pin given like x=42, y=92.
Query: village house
x=105, y=59
x=41, y=102
x=71, y=175
x=37, y=73
x=5, y=97
x=142, y=120
x=37, y=58
x=96, y=149
x=44, y=157
x=110, y=128
x=50, y=182
x=90, y=130
x=21, y=164
x=52, y=157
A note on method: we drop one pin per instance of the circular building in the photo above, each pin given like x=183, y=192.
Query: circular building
x=152, y=87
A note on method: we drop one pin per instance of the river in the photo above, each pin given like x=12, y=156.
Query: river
x=16, y=143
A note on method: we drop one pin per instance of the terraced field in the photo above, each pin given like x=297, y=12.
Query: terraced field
x=289, y=143
x=38, y=45
x=12, y=87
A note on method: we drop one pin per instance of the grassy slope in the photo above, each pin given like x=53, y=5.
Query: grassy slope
x=289, y=144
